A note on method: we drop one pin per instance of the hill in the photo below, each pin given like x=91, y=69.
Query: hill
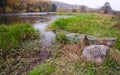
x=63, y=5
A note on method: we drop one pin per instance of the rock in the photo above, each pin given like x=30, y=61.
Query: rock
x=102, y=41
x=96, y=53
x=76, y=38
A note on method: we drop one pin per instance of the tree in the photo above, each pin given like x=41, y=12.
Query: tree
x=43, y=6
x=3, y=4
x=54, y=8
x=30, y=7
x=106, y=8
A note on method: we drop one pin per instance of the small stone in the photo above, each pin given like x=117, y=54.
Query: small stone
x=95, y=53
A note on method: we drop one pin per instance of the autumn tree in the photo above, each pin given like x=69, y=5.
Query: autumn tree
x=30, y=7
x=26, y=5
x=44, y=6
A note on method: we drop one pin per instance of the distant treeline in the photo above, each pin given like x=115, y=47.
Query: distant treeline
x=7, y=6
x=26, y=6
x=105, y=9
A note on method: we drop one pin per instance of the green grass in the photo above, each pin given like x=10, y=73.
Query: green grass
x=92, y=24
x=67, y=59
x=13, y=36
x=17, y=41
x=60, y=37
x=44, y=69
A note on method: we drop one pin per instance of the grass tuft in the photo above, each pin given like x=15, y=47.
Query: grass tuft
x=44, y=69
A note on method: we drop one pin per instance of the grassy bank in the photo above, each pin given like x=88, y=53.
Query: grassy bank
x=12, y=36
x=67, y=59
x=17, y=43
x=92, y=24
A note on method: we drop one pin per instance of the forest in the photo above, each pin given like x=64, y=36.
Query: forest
x=9, y=6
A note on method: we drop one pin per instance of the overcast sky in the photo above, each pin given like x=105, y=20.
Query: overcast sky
x=115, y=4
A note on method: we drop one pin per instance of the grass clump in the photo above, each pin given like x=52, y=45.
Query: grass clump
x=44, y=69
x=18, y=43
x=12, y=36
x=92, y=24
x=61, y=37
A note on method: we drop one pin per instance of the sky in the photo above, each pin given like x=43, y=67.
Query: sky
x=115, y=4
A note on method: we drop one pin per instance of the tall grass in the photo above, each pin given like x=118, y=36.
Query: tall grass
x=92, y=24
x=12, y=36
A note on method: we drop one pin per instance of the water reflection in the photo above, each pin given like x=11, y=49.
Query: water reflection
x=22, y=19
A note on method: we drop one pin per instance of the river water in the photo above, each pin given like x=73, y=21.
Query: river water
x=39, y=21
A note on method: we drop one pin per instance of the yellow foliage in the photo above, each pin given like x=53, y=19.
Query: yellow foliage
x=25, y=5
x=13, y=1
x=37, y=10
x=8, y=9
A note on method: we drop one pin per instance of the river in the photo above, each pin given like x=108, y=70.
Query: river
x=39, y=21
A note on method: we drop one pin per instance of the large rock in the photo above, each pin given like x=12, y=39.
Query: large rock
x=102, y=41
x=77, y=38
x=96, y=53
